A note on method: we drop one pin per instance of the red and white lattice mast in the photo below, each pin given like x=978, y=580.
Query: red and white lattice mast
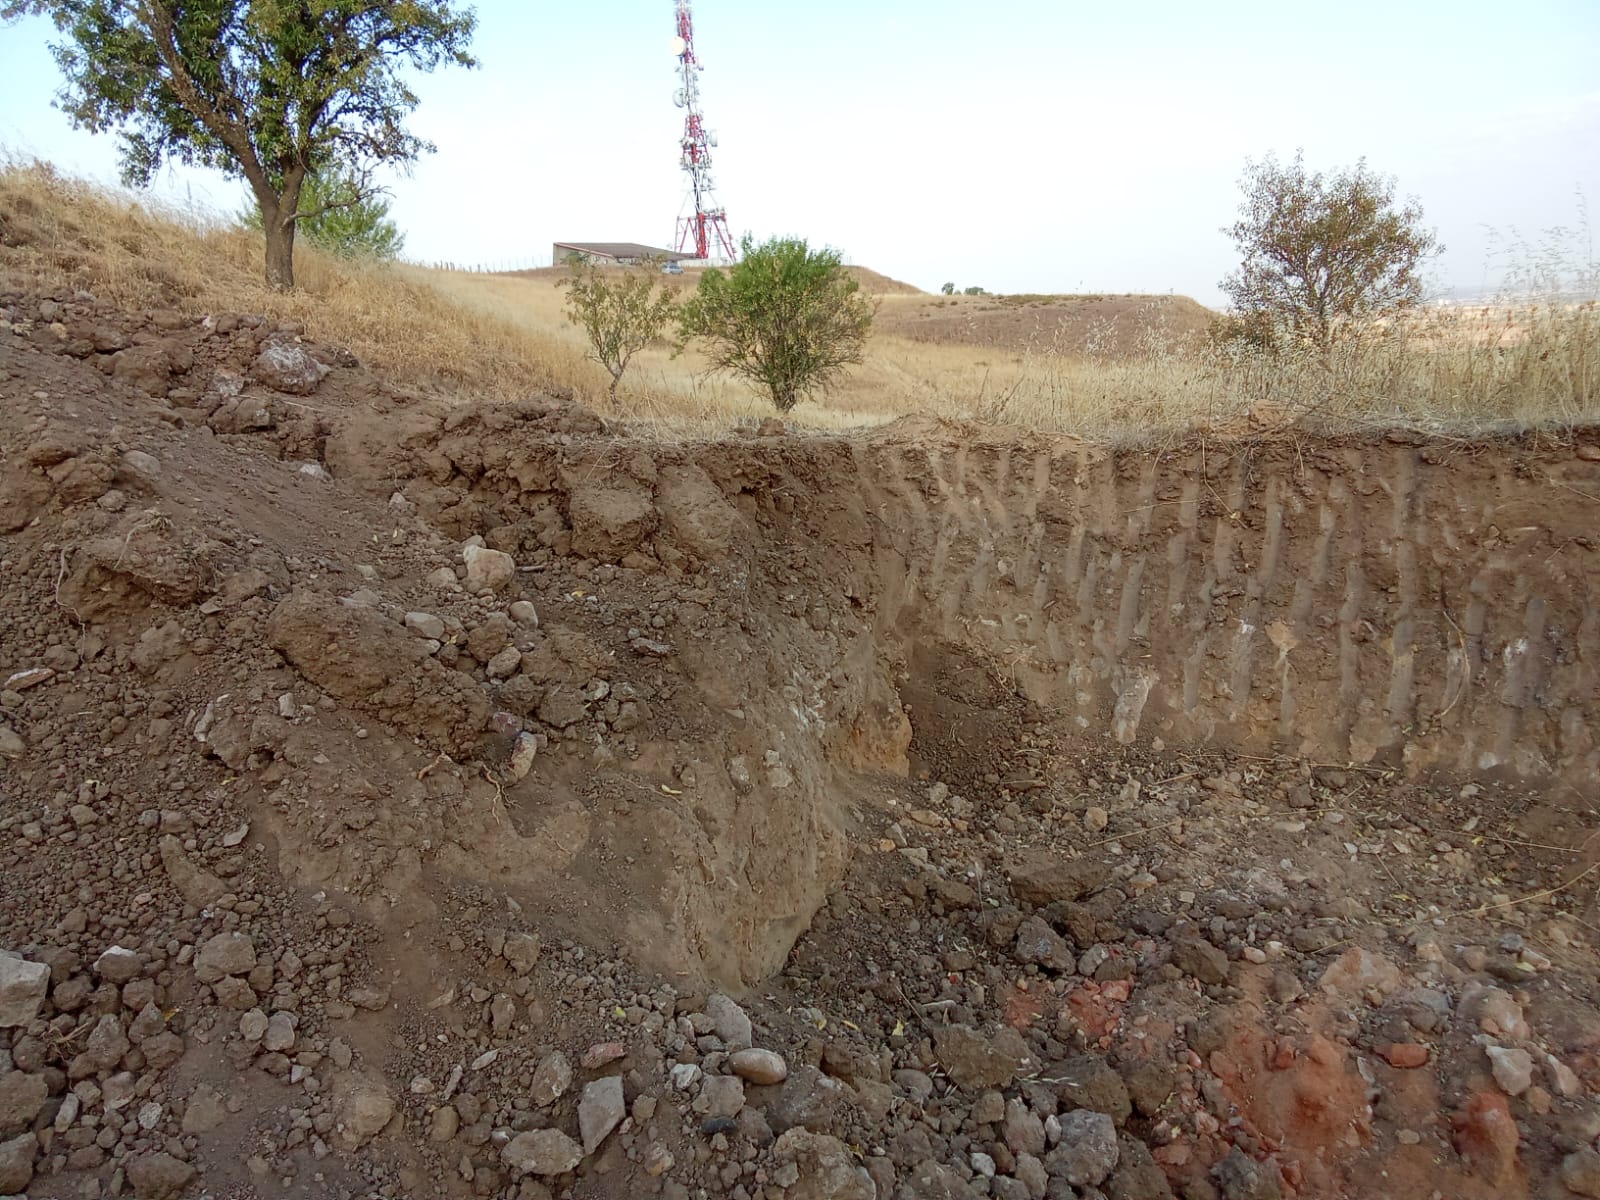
x=705, y=234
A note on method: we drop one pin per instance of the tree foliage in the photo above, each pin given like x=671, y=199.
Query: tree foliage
x=348, y=221
x=270, y=90
x=620, y=310
x=786, y=317
x=1322, y=252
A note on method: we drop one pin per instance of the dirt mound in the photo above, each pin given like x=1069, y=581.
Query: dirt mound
x=1098, y=326
x=412, y=797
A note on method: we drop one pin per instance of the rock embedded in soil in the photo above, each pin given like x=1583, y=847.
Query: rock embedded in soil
x=23, y=985
x=1088, y=1082
x=118, y=965
x=825, y=1168
x=551, y=1080
x=1038, y=943
x=974, y=1060
x=759, y=1066
x=1512, y=1069
x=159, y=1176
x=542, y=1152
x=286, y=366
x=12, y=744
x=600, y=1111
x=426, y=625
x=1088, y=1150
x=731, y=1023
x=16, y=1163
x=223, y=955
x=196, y=885
x=1485, y=1134
x=443, y=1123
x=205, y=1110
x=806, y=1098
x=990, y=1108
x=488, y=570
x=1580, y=1173
x=723, y=1095
x=21, y=1097
x=364, y=1107
x=1357, y=972
x=522, y=951
x=1405, y=1055
x=1197, y=957
x=1040, y=877
x=103, y=1050
x=1242, y=1178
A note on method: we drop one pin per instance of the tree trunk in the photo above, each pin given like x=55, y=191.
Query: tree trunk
x=280, y=254
x=280, y=233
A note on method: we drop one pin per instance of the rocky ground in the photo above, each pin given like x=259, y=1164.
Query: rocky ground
x=364, y=832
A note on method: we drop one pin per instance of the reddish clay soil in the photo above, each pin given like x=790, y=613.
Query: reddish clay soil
x=408, y=797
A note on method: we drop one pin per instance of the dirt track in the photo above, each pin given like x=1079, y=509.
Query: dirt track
x=1068, y=819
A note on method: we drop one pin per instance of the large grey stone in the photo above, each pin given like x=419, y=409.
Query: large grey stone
x=824, y=1168
x=488, y=570
x=542, y=1152
x=723, y=1094
x=731, y=1022
x=1088, y=1149
x=223, y=955
x=600, y=1111
x=23, y=985
x=16, y=1164
x=285, y=366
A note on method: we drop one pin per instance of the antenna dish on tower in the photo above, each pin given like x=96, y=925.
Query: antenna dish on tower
x=678, y=47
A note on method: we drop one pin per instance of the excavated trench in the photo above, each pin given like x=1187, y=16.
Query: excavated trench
x=939, y=742
x=1422, y=604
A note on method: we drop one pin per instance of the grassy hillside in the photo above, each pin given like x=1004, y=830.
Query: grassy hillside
x=1098, y=366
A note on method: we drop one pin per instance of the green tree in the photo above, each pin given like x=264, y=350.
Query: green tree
x=786, y=317
x=972, y=291
x=621, y=311
x=1322, y=252
x=270, y=90
x=349, y=221
x=948, y=289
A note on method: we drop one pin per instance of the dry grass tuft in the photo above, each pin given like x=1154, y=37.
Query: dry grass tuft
x=505, y=335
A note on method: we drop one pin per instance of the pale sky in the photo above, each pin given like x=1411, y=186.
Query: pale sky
x=1017, y=145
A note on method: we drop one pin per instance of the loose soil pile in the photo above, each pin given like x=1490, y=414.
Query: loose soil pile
x=408, y=798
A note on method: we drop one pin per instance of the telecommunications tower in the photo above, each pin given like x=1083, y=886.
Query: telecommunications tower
x=705, y=234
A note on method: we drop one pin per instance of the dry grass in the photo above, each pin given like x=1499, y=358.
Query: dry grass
x=500, y=335
x=57, y=232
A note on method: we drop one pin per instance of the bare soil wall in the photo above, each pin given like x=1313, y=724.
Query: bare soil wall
x=1430, y=604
